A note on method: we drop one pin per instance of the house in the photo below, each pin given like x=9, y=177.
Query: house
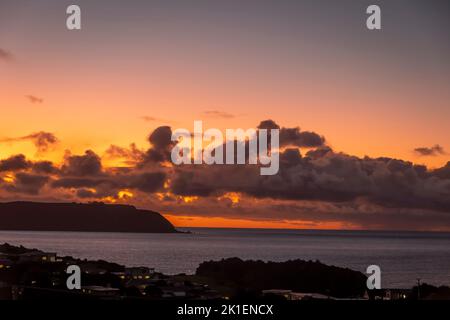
x=5, y=263
x=290, y=295
x=389, y=294
x=139, y=272
x=102, y=292
x=91, y=268
x=308, y=296
x=37, y=256
x=141, y=284
x=277, y=292
x=173, y=292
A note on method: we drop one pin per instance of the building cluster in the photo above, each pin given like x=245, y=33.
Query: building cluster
x=27, y=274
x=30, y=273
x=377, y=294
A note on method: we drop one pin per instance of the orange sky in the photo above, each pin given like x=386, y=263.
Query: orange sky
x=218, y=222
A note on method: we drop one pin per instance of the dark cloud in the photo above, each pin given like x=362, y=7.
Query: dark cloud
x=294, y=136
x=147, y=182
x=42, y=140
x=185, y=184
x=268, y=124
x=433, y=151
x=14, y=163
x=34, y=99
x=219, y=114
x=321, y=176
x=161, y=138
x=6, y=55
x=334, y=178
x=442, y=173
x=154, y=156
x=88, y=164
x=319, y=152
x=46, y=167
x=69, y=183
x=28, y=183
x=290, y=157
x=110, y=184
x=80, y=172
x=161, y=146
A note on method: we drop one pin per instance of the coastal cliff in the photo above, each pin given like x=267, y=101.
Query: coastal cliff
x=90, y=217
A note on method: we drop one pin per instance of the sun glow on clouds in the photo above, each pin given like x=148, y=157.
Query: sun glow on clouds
x=189, y=199
x=125, y=194
x=109, y=199
x=234, y=197
x=9, y=178
x=122, y=195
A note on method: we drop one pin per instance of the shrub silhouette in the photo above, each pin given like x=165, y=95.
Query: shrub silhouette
x=296, y=275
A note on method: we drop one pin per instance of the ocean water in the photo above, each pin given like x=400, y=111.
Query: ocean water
x=402, y=256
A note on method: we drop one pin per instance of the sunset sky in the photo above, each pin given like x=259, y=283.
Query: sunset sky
x=307, y=64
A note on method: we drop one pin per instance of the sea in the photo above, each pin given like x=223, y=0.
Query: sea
x=403, y=257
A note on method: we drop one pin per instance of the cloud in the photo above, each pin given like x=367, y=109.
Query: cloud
x=149, y=119
x=130, y=156
x=268, y=124
x=161, y=138
x=109, y=185
x=319, y=152
x=147, y=182
x=334, y=178
x=88, y=164
x=14, y=163
x=46, y=167
x=86, y=193
x=6, y=55
x=161, y=146
x=28, y=183
x=86, y=171
x=34, y=99
x=219, y=114
x=155, y=119
x=42, y=140
x=69, y=183
x=443, y=172
x=294, y=136
x=432, y=151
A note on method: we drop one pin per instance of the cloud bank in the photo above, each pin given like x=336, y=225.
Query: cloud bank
x=315, y=184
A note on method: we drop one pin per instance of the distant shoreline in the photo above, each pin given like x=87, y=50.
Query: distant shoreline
x=321, y=230
x=90, y=217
